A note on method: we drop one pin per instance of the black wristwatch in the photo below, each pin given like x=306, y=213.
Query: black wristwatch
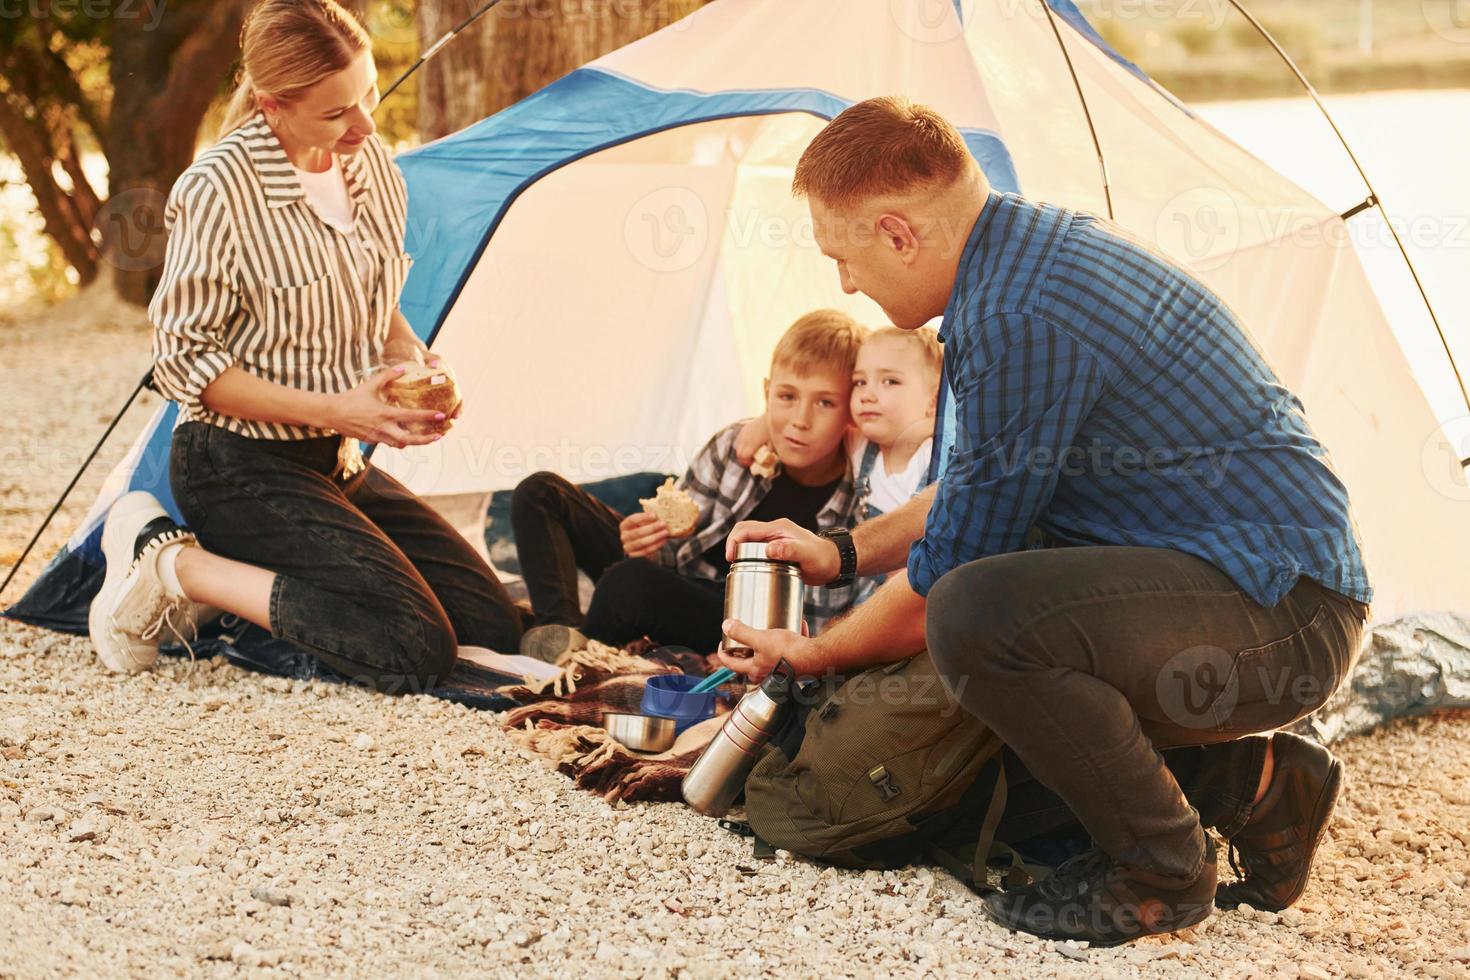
x=846, y=551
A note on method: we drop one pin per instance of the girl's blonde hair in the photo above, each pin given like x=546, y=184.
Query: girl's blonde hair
x=925, y=340
x=287, y=46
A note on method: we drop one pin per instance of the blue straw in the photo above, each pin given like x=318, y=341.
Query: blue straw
x=713, y=681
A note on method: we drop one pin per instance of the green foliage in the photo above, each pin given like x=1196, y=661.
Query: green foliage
x=1197, y=38
x=395, y=48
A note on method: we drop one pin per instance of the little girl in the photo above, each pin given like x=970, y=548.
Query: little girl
x=895, y=389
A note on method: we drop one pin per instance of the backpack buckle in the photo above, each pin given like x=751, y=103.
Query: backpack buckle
x=883, y=781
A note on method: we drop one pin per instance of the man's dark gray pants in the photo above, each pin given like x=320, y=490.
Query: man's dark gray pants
x=1088, y=661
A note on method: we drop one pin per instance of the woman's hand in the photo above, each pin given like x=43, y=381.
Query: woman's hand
x=767, y=649
x=362, y=414
x=434, y=360
x=642, y=534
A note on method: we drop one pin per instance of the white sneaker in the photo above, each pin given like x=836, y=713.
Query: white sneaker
x=132, y=609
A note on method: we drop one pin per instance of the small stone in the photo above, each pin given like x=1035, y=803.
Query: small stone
x=1072, y=952
x=694, y=850
x=82, y=830
x=13, y=752
x=72, y=895
x=270, y=896
x=363, y=741
x=245, y=954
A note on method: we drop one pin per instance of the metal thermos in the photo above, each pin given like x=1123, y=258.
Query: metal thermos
x=761, y=592
x=719, y=773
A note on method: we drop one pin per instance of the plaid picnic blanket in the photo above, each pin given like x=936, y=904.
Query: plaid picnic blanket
x=560, y=720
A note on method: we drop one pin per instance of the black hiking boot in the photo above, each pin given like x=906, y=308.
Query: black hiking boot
x=1272, y=854
x=1095, y=900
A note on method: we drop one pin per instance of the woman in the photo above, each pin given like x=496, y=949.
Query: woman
x=279, y=293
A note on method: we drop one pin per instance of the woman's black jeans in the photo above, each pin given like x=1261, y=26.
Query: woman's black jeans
x=368, y=577
x=1087, y=661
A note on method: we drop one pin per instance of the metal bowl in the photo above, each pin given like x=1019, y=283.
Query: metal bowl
x=641, y=733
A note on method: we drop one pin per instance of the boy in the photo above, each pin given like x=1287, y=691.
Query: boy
x=673, y=589
x=895, y=391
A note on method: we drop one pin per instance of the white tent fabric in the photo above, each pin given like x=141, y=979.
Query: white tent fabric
x=608, y=263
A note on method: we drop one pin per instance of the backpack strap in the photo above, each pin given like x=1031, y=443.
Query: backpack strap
x=980, y=869
x=976, y=872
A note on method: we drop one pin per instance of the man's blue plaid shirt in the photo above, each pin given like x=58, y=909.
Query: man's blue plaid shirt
x=1104, y=395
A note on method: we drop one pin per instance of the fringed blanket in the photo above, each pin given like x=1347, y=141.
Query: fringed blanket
x=560, y=720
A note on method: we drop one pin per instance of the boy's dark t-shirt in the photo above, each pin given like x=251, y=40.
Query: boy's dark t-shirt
x=786, y=498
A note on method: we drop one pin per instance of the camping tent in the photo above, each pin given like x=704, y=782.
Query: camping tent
x=609, y=261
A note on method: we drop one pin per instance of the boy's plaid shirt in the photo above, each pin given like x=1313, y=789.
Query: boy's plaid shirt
x=726, y=493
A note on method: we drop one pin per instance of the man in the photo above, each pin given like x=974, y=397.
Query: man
x=1203, y=583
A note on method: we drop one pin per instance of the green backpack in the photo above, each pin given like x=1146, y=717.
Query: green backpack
x=890, y=771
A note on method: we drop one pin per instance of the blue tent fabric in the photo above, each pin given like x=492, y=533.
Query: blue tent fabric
x=451, y=219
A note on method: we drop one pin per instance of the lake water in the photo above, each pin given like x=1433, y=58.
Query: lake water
x=1414, y=146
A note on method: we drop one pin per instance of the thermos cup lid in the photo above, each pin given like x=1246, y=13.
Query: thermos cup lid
x=751, y=550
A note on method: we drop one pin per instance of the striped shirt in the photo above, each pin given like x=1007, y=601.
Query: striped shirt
x=254, y=277
x=1105, y=396
x=726, y=492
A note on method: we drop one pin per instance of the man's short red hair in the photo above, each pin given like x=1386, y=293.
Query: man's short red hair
x=878, y=147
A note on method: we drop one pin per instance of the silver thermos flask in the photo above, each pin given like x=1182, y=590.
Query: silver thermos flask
x=719, y=774
x=761, y=592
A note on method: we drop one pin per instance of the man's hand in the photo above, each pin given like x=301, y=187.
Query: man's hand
x=788, y=541
x=642, y=534
x=769, y=647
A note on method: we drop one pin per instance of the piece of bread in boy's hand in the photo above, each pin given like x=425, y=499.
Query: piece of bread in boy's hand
x=678, y=510
x=420, y=386
x=766, y=462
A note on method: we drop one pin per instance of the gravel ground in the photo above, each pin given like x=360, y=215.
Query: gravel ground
x=203, y=821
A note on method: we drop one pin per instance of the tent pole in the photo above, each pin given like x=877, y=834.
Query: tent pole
x=1102, y=163
x=438, y=46
x=1374, y=196
x=146, y=382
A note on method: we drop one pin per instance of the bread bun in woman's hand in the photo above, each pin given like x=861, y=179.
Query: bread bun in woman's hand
x=679, y=511
x=420, y=386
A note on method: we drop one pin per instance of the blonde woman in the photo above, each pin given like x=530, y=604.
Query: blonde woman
x=279, y=293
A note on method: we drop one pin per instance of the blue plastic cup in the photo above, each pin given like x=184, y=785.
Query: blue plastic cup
x=667, y=695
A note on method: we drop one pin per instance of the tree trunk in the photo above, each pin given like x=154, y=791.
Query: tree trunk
x=163, y=85
x=520, y=47
x=452, y=85
x=36, y=128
